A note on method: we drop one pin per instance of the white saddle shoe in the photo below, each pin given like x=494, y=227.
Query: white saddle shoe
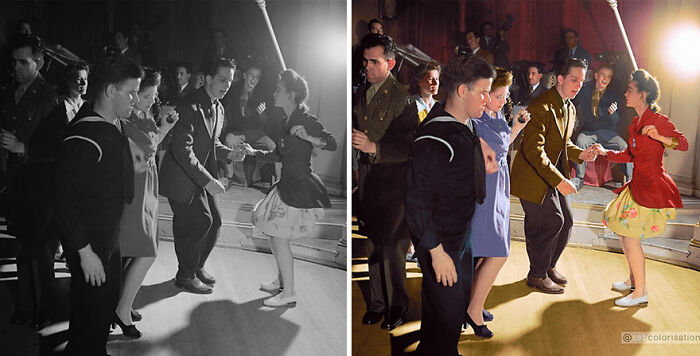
x=272, y=287
x=622, y=287
x=278, y=301
x=628, y=301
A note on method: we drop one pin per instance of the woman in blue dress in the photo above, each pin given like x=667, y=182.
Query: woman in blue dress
x=490, y=228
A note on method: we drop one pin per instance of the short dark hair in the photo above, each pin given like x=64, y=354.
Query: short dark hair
x=536, y=65
x=73, y=70
x=32, y=41
x=213, y=66
x=219, y=30
x=385, y=41
x=564, y=67
x=483, y=24
x=465, y=69
x=369, y=24
x=606, y=66
x=186, y=65
x=151, y=78
x=423, y=69
x=295, y=83
x=476, y=33
x=648, y=84
x=116, y=70
x=18, y=26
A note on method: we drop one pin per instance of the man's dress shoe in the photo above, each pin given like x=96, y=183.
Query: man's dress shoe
x=205, y=277
x=371, y=318
x=193, y=285
x=544, y=285
x=555, y=276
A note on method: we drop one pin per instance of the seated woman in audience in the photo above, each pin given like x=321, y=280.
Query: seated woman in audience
x=490, y=227
x=138, y=228
x=427, y=83
x=648, y=201
x=291, y=208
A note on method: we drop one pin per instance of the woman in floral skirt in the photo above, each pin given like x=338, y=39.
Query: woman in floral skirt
x=647, y=202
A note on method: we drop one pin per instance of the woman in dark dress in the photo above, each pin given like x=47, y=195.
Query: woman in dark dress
x=138, y=227
x=297, y=200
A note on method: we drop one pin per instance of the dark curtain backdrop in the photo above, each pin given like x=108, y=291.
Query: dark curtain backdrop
x=434, y=25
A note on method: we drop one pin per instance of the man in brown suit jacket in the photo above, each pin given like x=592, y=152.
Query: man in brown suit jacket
x=540, y=175
x=473, y=46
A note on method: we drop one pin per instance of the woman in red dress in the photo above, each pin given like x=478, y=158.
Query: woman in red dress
x=645, y=203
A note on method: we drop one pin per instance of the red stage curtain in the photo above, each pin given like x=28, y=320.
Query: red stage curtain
x=433, y=25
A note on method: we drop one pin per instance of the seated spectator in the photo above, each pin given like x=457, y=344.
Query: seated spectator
x=596, y=107
x=244, y=109
x=122, y=47
x=183, y=88
x=536, y=86
x=473, y=46
x=570, y=48
x=426, y=85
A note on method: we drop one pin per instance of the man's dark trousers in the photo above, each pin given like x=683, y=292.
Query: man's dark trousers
x=444, y=309
x=196, y=229
x=547, y=231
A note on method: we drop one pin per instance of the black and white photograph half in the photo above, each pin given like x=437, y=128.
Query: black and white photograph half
x=173, y=177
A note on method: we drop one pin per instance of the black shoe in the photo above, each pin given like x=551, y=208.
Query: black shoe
x=19, y=318
x=193, y=285
x=393, y=322
x=486, y=315
x=371, y=318
x=135, y=316
x=479, y=330
x=128, y=330
x=41, y=320
x=205, y=277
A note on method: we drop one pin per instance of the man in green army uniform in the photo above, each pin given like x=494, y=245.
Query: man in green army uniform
x=385, y=120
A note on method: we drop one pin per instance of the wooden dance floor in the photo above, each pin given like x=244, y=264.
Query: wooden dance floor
x=231, y=321
x=582, y=321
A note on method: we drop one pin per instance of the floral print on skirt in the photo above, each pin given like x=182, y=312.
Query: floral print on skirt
x=275, y=218
x=627, y=218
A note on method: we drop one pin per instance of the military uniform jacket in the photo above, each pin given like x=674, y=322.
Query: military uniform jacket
x=546, y=141
x=189, y=163
x=389, y=120
x=33, y=121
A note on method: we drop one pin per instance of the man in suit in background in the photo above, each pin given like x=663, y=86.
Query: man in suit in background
x=534, y=80
x=183, y=73
x=540, y=175
x=571, y=48
x=122, y=47
x=386, y=118
x=495, y=43
x=596, y=106
x=473, y=42
x=189, y=177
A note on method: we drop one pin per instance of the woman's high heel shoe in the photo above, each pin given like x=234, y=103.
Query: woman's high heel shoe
x=479, y=330
x=136, y=316
x=128, y=330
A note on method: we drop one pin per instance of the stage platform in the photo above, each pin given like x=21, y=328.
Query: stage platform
x=675, y=245
x=326, y=245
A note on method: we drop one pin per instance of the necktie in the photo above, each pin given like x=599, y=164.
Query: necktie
x=572, y=53
x=18, y=93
